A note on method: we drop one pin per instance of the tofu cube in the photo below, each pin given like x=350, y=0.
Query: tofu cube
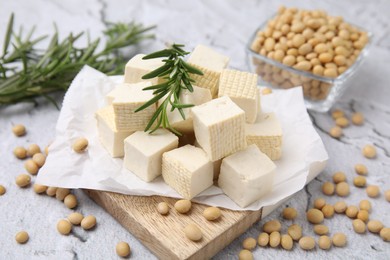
x=246, y=176
x=242, y=88
x=219, y=127
x=187, y=170
x=110, y=137
x=143, y=152
x=267, y=134
x=126, y=101
x=197, y=97
x=211, y=63
x=117, y=90
x=136, y=68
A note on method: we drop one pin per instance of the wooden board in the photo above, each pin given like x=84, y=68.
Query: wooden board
x=163, y=235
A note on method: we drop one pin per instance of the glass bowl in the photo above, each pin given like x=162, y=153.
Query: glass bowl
x=320, y=92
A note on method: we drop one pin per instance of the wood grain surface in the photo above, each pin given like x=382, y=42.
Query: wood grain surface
x=164, y=235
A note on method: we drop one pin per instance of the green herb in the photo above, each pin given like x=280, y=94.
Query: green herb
x=176, y=73
x=27, y=72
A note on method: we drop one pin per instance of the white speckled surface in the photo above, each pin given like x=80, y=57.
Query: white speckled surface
x=226, y=25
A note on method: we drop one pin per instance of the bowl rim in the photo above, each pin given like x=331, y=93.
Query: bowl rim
x=342, y=77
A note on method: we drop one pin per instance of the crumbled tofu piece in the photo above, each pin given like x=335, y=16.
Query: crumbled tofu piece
x=187, y=170
x=219, y=127
x=109, y=135
x=197, y=97
x=211, y=64
x=246, y=176
x=143, y=152
x=126, y=101
x=136, y=68
x=266, y=133
x=242, y=88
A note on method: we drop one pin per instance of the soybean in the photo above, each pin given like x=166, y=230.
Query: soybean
x=315, y=216
x=163, y=208
x=38, y=188
x=271, y=226
x=369, y=151
x=64, y=227
x=212, y=213
x=245, y=255
x=80, y=145
x=183, y=206
x=352, y=211
x=361, y=169
x=123, y=249
x=339, y=240
x=289, y=213
x=295, y=232
x=324, y=242
x=359, y=226
x=70, y=201
x=359, y=181
x=385, y=234
x=339, y=177
x=249, y=243
x=374, y=226
x=342, y=189
x=319, y=203
x=274, y=239
x=307, y=243
x=33, y=149
x=286, y=242
x=372, y=191
x=263, y=239
x=23, y=180
x=340, y=207
x=193, y=232
x=75, y=218
x=321, y=230
x=22, y=237
x=20, y=152
x=328, y=188
x=31, y=167
x=88, y=222
x=357, y=118
x=2, y=190
x=19, y=130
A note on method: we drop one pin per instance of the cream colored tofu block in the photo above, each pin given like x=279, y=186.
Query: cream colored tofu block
x=267, y=134
x=216, y=164
x=197, y=97
x=211, y=63
x=126, y=101
x=242, y=88
x=187, y=170
x=110, y=137
x=136, y=68
x=118, y=89
x=246, y=176
x=143, y=152
x=219, y=127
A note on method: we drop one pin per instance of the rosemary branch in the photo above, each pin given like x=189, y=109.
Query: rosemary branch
x=27, y=72
x=176, y=73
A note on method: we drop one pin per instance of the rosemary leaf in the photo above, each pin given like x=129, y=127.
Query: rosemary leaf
x=176, y=72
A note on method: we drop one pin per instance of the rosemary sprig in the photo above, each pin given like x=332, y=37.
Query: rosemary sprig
x=176, y=73
x=27, y=72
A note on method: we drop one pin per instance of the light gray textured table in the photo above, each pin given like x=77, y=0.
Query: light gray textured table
x=225, y=25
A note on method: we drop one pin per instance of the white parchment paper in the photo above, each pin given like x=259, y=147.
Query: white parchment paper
x=304, y=155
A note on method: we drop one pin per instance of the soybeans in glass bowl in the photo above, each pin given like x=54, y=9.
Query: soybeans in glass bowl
x=308, y=48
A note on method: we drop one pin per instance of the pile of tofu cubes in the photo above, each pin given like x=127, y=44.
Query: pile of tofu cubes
x=226, y=139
